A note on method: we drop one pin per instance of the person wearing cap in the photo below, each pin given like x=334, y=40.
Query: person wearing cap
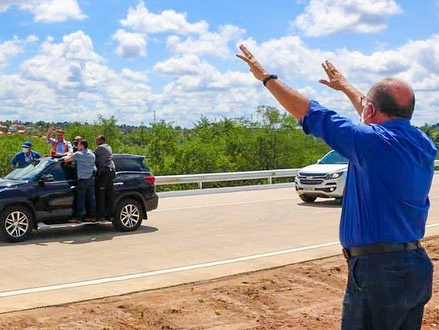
x=76, y=140
x=25, y=156
x=60, y=147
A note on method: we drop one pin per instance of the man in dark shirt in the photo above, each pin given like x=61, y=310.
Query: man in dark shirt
x=24, y=157
x=385, y=205
x=104, y=179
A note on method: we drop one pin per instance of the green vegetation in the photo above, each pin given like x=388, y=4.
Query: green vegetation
x=272, y=140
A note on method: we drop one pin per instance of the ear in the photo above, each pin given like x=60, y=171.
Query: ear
x=373, y=110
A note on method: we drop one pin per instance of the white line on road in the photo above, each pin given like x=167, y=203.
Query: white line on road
x=169, y=270
x=223, y=204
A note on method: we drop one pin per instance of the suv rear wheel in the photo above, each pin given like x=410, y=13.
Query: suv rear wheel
x=128, y=215
x=307, y=199
x=16, y=223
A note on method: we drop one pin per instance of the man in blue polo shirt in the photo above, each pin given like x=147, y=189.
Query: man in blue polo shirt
x=385, y=204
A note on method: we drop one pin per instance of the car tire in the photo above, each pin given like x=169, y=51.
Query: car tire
x=16, y=223
x=307, y=199
x=129, y=215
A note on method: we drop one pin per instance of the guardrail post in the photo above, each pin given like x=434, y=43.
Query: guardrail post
x=270, y=180
x=200, y=184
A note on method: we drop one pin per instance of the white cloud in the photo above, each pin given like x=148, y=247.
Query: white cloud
x=183, y=66
x=131, y=45
x=141, y=20
x=6, y=4
x=47, y=11
x=69, y=81
x=13, y=47
x=323, y=17
x=208, y=43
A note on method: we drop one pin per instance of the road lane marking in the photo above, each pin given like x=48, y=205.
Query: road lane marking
x=168, y=270
x=223, y=204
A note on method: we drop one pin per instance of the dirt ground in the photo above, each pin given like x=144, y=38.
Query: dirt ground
x=300, y=296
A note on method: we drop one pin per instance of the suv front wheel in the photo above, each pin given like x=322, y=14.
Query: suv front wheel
x=128, y=215
x=16, y=223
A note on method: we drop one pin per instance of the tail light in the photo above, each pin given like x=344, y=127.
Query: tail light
x=150, y=178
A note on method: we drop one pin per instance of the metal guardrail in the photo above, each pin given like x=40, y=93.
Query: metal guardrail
x=231, y=176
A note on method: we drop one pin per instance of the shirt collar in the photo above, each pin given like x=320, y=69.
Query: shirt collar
x=395, y=122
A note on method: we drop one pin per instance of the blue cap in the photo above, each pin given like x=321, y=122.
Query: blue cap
x=26, y=144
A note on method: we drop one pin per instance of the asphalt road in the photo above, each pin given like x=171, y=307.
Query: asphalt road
x=189, y=238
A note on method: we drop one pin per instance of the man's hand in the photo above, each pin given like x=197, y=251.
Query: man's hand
x=255, y=68
x=336, y=79
x=339, y=82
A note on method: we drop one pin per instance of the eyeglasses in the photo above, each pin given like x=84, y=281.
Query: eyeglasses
x=364, y=101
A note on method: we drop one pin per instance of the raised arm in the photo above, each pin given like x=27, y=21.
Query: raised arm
x=339, y=82
x=49, y=133
x=294, y=102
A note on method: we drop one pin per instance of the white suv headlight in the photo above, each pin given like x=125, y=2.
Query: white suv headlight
x=334, y=175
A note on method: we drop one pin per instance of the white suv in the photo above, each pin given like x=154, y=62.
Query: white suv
x=324, y=179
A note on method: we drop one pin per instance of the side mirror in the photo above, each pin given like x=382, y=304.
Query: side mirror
x=46, y=178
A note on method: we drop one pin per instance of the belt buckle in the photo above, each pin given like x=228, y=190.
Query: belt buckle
x=346, y=254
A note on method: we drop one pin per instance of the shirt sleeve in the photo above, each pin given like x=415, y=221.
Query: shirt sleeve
x=339, y=132
x=76, y=156
x=69, y=147
x=14, y=160
x=51, y=141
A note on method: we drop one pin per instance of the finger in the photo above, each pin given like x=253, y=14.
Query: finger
x=327, y=71
x=331, y=67
x=245, y=51
x=324, y=82
x=245, y=59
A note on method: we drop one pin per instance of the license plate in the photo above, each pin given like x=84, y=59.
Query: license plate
x=308, y=188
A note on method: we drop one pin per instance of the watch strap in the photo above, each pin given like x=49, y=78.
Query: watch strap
x=271, y=76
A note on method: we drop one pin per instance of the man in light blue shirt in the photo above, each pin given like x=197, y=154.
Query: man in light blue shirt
x=385, y=203
x=85, y=167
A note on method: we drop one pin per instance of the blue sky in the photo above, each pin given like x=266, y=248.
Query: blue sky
x=70, y=60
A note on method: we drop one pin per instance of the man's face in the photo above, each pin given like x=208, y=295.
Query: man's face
x=80, y=147
x=60, y=137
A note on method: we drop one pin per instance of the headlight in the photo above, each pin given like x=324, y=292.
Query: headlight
x=334, y=175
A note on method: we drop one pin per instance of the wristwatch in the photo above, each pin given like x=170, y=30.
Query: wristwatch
x=271, y=76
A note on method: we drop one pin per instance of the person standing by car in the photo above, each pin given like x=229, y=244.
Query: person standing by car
x=25, y=156
x=85, y=167
x=383, y=217
x=104, y=179
x=60, y=146
x=75, y=142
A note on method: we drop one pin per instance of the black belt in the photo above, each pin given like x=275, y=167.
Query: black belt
x=380, y=248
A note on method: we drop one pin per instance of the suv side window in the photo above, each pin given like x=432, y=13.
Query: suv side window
x=129, y=164
x=62, y=172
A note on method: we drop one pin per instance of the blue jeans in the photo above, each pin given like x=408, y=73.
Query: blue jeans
x=387, y=291
x=85, y=193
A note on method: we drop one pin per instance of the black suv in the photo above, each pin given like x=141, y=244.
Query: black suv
x=44, y=192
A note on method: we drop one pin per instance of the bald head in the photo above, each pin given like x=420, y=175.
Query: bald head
x=393, y=97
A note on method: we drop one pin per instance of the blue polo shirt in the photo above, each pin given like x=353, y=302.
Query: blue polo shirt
x=391, y=167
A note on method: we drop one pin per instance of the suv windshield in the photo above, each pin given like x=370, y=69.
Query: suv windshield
x=333, y=157
x=30, y=171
